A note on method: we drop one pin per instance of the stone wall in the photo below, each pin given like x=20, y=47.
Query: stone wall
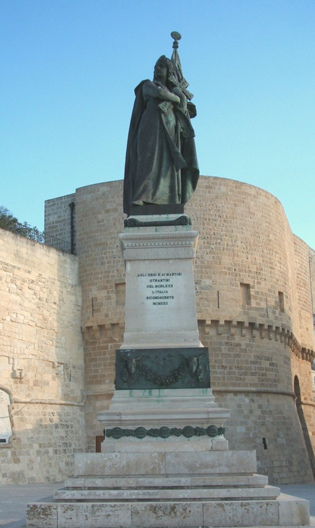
x=102, y=278
x=41, y=360
x=304, y=292
x=58, y=228
x=254, y=310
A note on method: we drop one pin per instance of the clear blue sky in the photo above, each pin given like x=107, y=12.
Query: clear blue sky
x=69, y=68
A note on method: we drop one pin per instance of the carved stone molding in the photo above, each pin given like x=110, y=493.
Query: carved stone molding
x=159, y=245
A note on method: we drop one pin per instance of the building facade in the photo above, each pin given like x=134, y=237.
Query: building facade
x=41, y=362
x=255, y=283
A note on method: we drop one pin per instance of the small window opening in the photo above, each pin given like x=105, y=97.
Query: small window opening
x=281, y=301
x=245, y=294
x=120, y=294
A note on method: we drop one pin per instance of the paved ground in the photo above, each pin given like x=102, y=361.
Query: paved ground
x=13, y=500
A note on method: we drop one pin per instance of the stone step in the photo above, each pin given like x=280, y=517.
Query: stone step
x=194, y=415
x=170, y=494
x=286, y=512
x=166, y=463
x=219, y=443
x=167, y=482
x=126, y=401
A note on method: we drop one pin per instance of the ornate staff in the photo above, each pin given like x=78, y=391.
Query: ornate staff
x=183, y=84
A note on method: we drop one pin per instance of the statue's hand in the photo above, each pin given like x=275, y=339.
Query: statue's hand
x=182, y=99
x=166, y=107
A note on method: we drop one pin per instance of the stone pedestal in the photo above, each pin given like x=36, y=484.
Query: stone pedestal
x=167, y=403
x=164, y=420
x=165, y=462
x=160, y=290
x=175, y=489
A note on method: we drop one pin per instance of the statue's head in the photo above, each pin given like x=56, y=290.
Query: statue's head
x=164, y=71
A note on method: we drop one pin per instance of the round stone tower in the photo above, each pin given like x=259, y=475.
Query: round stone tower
x=254, y=306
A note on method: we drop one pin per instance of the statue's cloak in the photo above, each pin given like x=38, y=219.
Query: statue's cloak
x=160, y=168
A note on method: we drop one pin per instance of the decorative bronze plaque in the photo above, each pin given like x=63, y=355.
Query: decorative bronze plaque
x=162, y=368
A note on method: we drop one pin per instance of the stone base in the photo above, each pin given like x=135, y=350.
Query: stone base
x=288, y=512
x=157, y=220
x=165, y=490
x=156, y=209
x=160, y=309
x=164, y=420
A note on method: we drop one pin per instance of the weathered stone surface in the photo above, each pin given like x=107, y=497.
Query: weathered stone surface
x=94, y=515
x=293, y=510
x=176, y=489
x=165, y=464
x=163, y=493
x=218, y=481
x=241, y=513
x=120, y=464
x=150, y=445
x=126, y=482
x=286, y=511
x=162, y=515
x=150, y=399
x=41, y=361
x=211, y=462
x=42, y=515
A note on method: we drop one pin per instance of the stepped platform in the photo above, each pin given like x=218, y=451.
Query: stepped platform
x=179, y=489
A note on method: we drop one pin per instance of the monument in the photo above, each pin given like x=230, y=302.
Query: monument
x=165, y=461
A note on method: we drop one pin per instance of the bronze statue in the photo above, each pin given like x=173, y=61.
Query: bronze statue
x=161, y=161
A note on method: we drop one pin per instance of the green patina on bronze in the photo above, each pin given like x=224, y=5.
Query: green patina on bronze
x=165, y=432
x=161, y=160
x=162, y=368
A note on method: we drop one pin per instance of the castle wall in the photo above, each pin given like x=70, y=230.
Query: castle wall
x=58, y=228
x=245, y=239
x=304, y=292
x=253, y=305
x=102, y=278
x=41, y=360
x=302, y=382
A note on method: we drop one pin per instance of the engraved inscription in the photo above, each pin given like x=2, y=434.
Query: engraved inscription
x=160, y=287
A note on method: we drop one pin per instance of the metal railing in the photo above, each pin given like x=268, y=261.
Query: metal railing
x=58, y=243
